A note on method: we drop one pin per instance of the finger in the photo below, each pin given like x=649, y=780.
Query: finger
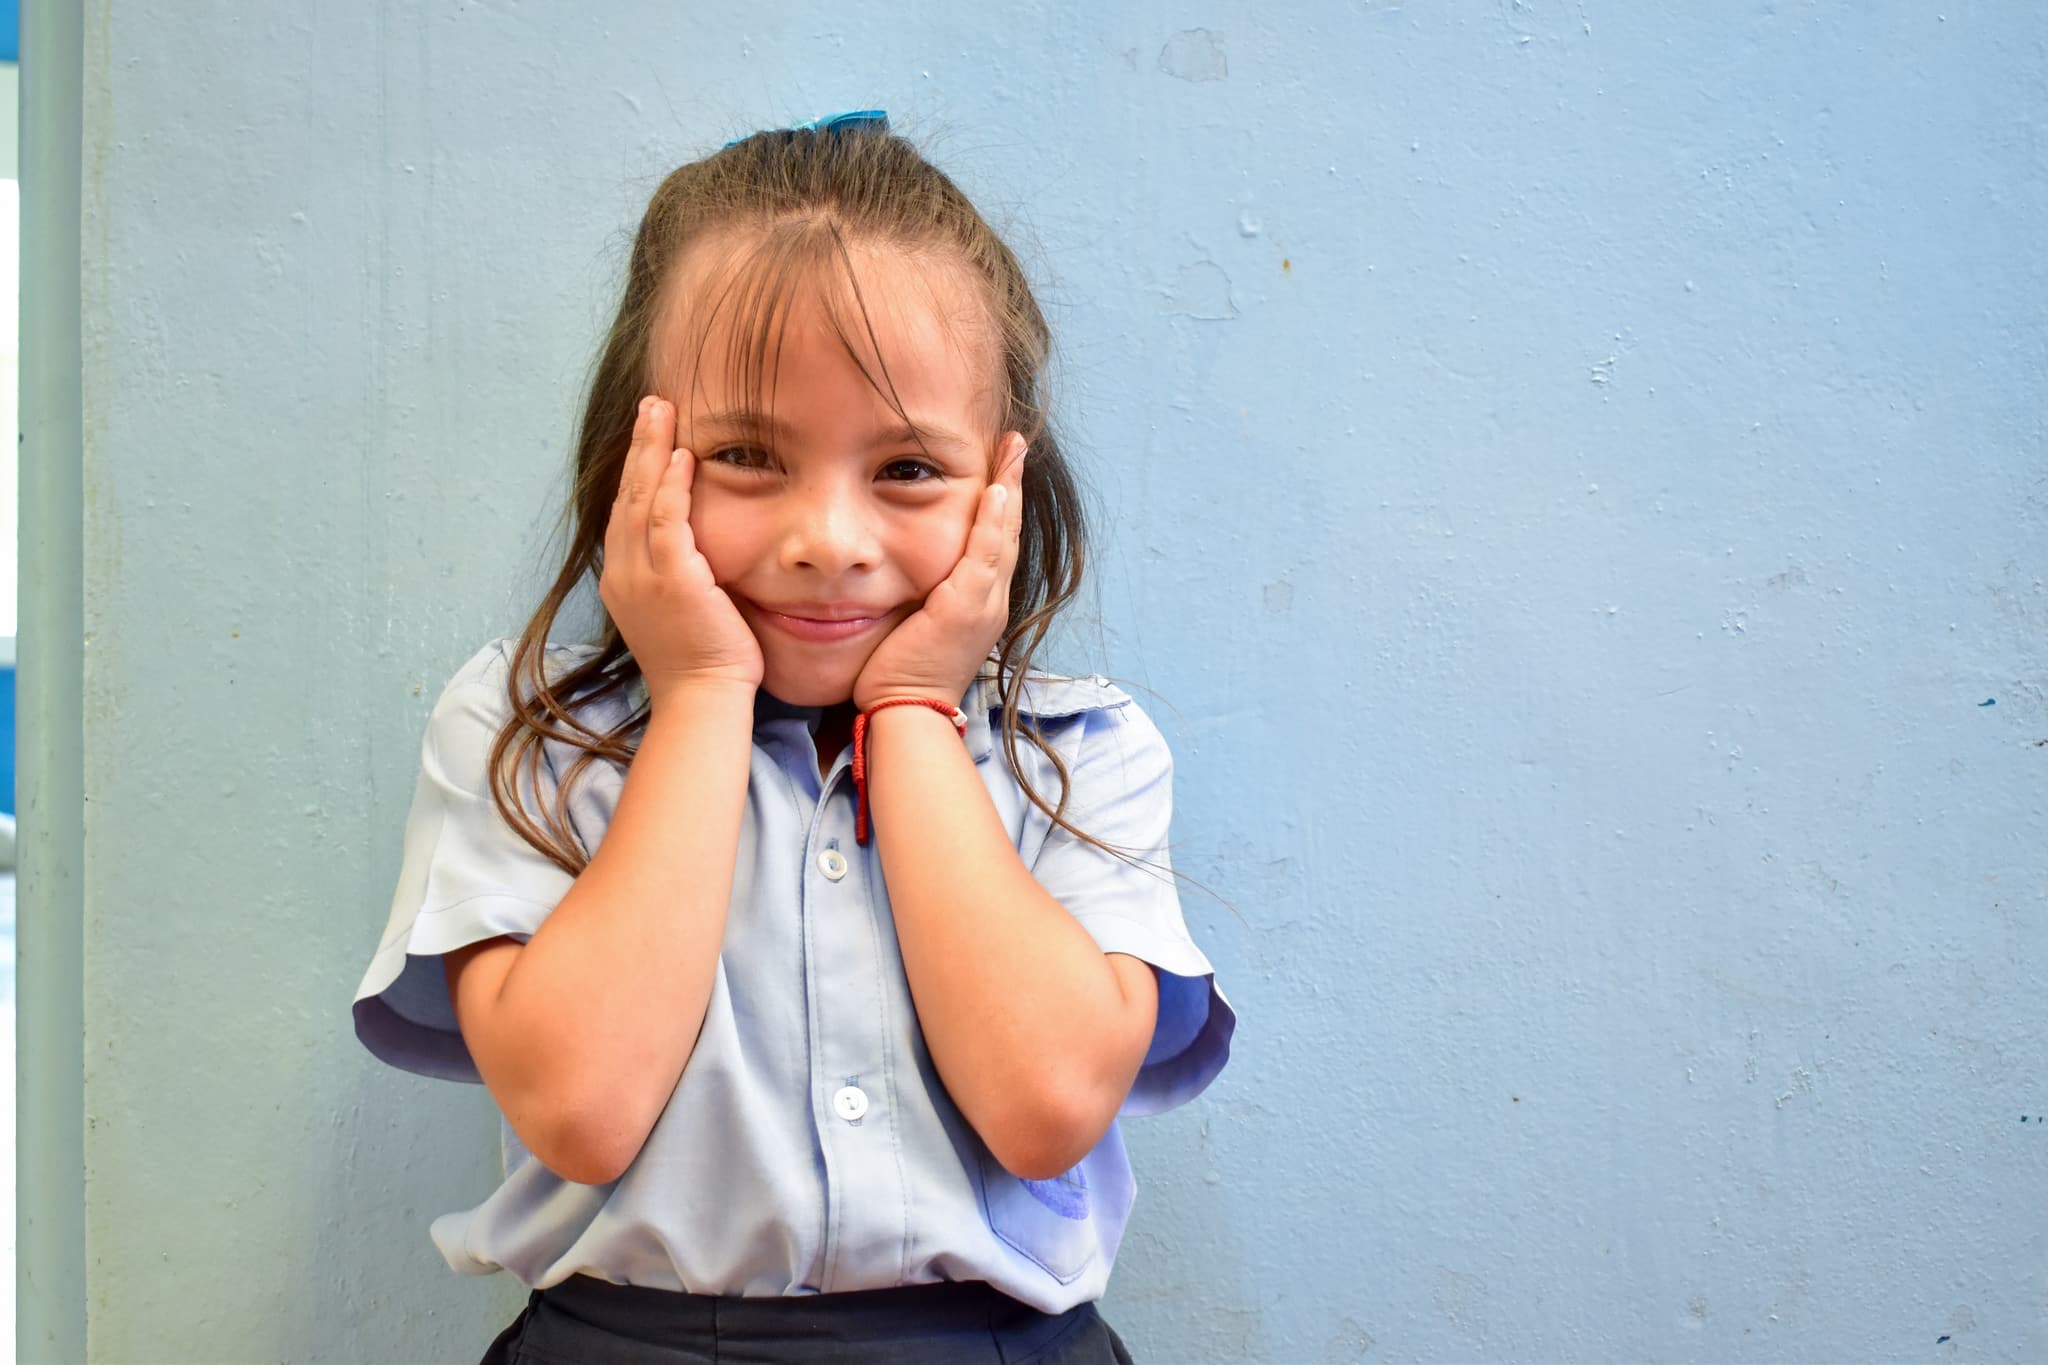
x=986, y=541
x=985, y=561
x=1014, y=473
x=965, y=588
x=1007, y=496
x=1012, y=516
x=646, y=453
x=638, y=475
x=1012, y=464
x=670, y=545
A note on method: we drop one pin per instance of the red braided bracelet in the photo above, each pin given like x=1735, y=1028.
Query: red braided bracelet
x=860, y=753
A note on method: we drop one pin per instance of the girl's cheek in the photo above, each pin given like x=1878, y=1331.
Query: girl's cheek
x=704, y=531
x=947, y=543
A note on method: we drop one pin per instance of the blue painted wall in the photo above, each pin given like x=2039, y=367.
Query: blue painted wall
x=1575, y=480
x=7, y=739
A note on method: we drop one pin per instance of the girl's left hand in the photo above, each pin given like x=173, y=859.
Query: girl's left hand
x=936, y=651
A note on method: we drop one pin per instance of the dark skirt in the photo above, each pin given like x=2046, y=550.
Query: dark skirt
x=588, y=1321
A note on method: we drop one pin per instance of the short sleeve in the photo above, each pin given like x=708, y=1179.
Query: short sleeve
x=1121, y=792
x=465, y=875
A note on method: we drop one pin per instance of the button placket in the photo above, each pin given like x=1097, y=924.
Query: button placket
x=865, y=1198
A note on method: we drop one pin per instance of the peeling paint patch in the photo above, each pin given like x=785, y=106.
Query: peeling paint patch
x=1351, y=1342
x=1194, y=54
x=1202, y=290
x=1794, y=577
x=1458, y=1297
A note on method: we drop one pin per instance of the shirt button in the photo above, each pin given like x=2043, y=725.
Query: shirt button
x=833, y=864
x=850, y=1103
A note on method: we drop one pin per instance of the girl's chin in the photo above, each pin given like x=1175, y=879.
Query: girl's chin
x=799, y=686
x=799, y=696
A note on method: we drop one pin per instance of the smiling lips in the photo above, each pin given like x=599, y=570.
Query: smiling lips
x=824, y=622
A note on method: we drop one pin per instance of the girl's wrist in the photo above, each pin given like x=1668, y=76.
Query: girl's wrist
x=864, y=701
x=869, y=721
x=680, y=693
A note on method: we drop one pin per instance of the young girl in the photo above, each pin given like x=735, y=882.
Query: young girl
x=810, y=942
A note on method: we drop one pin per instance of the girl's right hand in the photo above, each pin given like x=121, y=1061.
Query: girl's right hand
x=680, y=625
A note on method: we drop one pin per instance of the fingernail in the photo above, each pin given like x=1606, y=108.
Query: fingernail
x=674, y=455
x=1002, y=494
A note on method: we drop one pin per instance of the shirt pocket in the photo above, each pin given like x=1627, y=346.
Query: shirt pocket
x=1048, y=1222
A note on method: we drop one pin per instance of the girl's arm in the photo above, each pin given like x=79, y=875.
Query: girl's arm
x=582, y=1033
x=584, y=1030
x=1036, y=1032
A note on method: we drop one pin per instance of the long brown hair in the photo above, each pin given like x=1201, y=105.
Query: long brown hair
x=790, y=201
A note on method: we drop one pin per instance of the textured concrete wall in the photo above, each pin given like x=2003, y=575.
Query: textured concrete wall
x=1575, y=471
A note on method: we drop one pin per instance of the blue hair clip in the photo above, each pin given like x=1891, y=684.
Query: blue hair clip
x=870, y=120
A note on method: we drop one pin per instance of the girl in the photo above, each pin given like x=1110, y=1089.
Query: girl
x=809, y=941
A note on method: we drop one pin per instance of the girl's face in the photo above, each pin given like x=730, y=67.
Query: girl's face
x=830, y=527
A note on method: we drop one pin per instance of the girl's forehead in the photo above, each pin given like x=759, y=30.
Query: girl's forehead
x=922, y=310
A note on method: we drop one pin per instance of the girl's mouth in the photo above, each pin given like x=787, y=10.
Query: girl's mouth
x=830, y=626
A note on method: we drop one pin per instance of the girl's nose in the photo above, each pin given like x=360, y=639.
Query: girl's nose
x=830, y=532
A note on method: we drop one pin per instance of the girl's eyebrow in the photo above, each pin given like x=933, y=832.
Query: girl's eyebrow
x=756, y=423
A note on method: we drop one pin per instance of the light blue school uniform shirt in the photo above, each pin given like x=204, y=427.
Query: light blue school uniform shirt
x=809, y=1146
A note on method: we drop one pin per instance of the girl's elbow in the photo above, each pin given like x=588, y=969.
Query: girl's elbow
x=1049, y=1135
x=583, y=1171
x=1053, y=1138
x=1043, y=1163
x=587, y=1159
x=571, y=1154
x=586, y=1146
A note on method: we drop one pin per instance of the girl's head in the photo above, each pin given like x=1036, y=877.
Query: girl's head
x=847, y=489
x=830, y=306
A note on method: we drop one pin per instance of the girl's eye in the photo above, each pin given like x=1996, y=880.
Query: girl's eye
x=740, y=457
x=908, y=471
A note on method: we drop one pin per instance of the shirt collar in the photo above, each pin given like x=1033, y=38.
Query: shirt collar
x=769, y=707
x=1041, y=696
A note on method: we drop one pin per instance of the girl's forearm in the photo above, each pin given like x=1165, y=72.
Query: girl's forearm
x=1036, y=1033
x=601, y=1010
